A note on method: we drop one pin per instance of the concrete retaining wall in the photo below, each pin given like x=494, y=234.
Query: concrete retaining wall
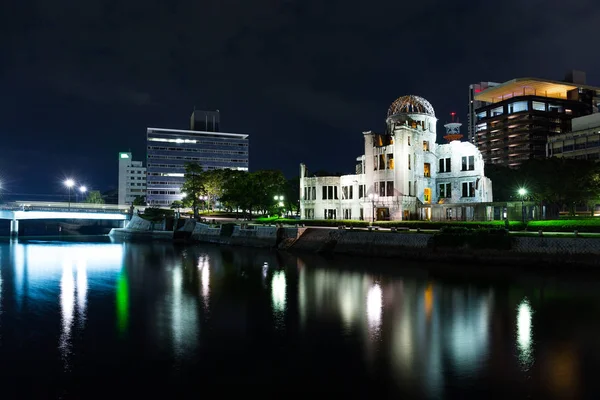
x=254, y=236
x=205, y=233
x=556, y=245
x=138, y=224
x=376, y=244
x=135, y=234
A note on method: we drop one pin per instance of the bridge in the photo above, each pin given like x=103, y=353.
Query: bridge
x=35, y=210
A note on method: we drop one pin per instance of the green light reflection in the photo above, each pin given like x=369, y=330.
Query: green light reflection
x=122, y=302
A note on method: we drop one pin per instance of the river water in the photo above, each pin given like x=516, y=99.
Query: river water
x=112, y=320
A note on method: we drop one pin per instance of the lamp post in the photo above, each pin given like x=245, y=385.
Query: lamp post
x=522, y=193
x=373, y=197
x=69, y=183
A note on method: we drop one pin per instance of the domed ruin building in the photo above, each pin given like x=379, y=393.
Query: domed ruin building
x=404, y=174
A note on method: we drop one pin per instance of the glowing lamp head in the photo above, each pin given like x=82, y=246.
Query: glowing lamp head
x=83, y=189
x=69, y=183
x=522, y=191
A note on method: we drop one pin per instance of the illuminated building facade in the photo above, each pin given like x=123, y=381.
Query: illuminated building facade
x=168, y=150
x=132, y=179
x=521, y=114
x=403, y=174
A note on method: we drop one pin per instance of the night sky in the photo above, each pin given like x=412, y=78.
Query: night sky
x=81, y=80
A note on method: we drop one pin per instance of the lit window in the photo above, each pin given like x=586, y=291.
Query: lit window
x=427, y=170
x=517, y=106
x=538, y=105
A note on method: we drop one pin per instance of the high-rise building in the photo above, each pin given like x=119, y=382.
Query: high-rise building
x=132, y=179
x=205, y=121
x=168, y=150
x=520, y=115
x=474, y=105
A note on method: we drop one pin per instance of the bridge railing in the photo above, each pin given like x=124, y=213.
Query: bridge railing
x=64, y=207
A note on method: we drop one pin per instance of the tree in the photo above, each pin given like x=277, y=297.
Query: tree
x=265, y=185
x=214, y=181
x=94, y=197
x=236, y=189
x=558, y=183
x=292, y=195
x=177, y=205
x=193, y=186
x=139, y=201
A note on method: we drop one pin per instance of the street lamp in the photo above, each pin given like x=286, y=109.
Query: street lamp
x=204, y=198
x=69, y=183
x=279, y=199
x=82, y=190
x=374, y=197
x=522, y=193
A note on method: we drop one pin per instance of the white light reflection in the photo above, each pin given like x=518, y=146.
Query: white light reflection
x=278, y=289
x=204, y=267
x=524, y=334
x=82, y=288
x=184, y=317
x=67, y=305
x=374, y=306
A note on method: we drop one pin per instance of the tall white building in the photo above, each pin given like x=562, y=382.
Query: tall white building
x=404, y=174
x=132, y=179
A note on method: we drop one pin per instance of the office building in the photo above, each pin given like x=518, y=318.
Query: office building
x=521, y=114
x=132, y=179
x=474, y=105
x=168, y=150
x=404, y=174
x=583, y=142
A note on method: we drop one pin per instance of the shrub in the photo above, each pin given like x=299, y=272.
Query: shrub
x=156, y=214
x=564, y=225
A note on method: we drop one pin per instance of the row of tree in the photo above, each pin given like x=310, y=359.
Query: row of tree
x=560, y=183
x=237, y=190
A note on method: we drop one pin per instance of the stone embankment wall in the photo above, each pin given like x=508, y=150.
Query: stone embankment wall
x=140, y=229
x=363, y=243
x=251, y=236
x=540, y=251
x=138, y=224
x=556, y=245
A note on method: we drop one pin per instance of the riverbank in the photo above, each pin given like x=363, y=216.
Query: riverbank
x=518, y=250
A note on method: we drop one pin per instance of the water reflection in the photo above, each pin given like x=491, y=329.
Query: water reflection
x=184, y=322
x=122, y=302
x=421, y=336
x=524, y=334
x=82, y=288
x=278, y=291
x=374, y=306
x=204, y=267
x=419, y=329
x=67, y=305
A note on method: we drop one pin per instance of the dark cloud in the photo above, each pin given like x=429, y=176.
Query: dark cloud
x=311, y=70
